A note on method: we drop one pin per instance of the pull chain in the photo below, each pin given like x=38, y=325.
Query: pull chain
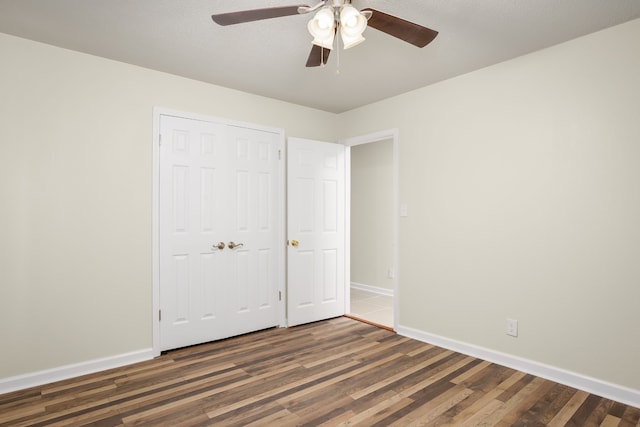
x=338, y=49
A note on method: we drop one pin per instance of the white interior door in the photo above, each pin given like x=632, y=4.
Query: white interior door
x=218, y=185
x=315, y=230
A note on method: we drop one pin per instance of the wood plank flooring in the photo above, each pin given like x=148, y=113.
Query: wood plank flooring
x=337, y=372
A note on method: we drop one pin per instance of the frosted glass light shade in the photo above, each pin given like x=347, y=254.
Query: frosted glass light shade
x=352, y=25
x=352, y=22
x=322, y=28
x=351, y=41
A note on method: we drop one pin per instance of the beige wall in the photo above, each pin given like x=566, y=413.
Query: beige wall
x=75, y=186
x=372, y=214
x=522, y=182
x=523, y=187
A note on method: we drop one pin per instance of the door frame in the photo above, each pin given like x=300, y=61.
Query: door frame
x=389, y=134
x=155, y=212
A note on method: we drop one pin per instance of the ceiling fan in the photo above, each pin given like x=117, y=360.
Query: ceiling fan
x=335, y=16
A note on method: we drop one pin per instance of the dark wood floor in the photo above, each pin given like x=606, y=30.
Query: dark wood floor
x=335, y=372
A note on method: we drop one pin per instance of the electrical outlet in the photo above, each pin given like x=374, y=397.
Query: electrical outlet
x=512, y=327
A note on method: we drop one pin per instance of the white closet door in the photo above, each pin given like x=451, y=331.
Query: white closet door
x=218, y=184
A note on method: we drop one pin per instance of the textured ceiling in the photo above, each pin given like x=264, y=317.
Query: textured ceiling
x=268, y=57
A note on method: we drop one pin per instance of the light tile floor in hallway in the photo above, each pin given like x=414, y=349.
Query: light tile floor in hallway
x=372, y=307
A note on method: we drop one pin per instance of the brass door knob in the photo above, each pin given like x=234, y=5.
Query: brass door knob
x=219, y=246
x=233, y=245
x=295, y=243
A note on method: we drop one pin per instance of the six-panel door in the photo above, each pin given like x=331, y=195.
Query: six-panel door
x=316, y=230
x=218, y=185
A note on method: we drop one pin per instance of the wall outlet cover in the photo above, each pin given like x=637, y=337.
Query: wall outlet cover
x=512, y=327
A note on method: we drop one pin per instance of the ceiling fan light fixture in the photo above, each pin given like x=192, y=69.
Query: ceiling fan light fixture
x=352, y=22
x=322, y=28
x=352, y=25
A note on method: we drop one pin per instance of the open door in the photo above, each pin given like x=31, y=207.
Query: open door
x=315, y=231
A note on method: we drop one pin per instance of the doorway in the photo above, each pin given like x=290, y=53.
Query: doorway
x=373, y=228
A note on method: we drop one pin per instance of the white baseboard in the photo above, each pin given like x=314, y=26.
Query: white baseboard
x=69, y=371
x=372, y=289
x=595, y=386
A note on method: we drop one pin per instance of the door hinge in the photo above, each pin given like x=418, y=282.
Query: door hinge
x=279, y=295
x=279, y=154
x=160, y=140
x=159, y=315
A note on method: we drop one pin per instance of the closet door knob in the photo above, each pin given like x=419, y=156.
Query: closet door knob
x=220, y=246
x=235, y=245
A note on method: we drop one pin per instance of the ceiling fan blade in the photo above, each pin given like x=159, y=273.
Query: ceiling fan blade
x=412, y=33
x=231, y=18
x=318, y=56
